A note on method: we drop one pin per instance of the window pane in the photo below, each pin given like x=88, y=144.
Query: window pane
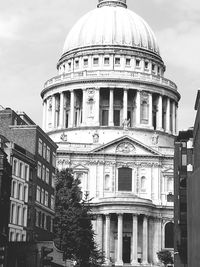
x=117, y=117
x=125, y=179
x=104, y=117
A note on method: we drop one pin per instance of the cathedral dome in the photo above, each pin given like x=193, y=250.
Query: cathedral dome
x=111, y=24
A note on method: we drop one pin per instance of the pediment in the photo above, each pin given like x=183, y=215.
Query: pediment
x=125, y=146
x=79, y=167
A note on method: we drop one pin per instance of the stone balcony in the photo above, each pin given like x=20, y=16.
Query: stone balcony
x=125, y=76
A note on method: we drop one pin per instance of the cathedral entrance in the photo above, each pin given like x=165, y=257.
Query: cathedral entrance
x=126, y=249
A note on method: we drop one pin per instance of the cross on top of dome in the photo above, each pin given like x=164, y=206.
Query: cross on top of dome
x=121, y=3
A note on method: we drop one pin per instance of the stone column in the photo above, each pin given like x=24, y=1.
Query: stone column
x=156, y=239
x=119, y=240
x=61, y=119
x=53, y=114
x=138, y=108
x=84, y=104
x=159, y=114
x=168, y=116
x=150, y=110
x=135, y=240
x=100, y=231
x=111, y=107
x=97, y=99
x=145, y=241
x=174, y=117
x=71, y=109
x=125, y=104
x=44, y=119
x=107, y=239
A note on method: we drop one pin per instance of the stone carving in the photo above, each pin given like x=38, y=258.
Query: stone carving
x=126, y=124
x=96, y=137
x=63, y=137
x=155, y=139
x=125, y=147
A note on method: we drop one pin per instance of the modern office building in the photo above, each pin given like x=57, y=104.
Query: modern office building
x=113, y=115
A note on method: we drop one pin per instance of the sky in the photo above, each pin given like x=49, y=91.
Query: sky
x=32, y=35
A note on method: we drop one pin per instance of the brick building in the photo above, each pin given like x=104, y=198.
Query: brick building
x=32, y=156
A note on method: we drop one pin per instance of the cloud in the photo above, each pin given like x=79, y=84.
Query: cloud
x=9, y=27
x=180, y=45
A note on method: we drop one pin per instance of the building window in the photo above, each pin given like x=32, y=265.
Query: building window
x=51, y=225
x=104, y=117
x=137, y=62
x=96, y=61
x=153, y=67
x=106, y=61
x=14, y=189
x=20, y=170
x=42, y=196
x=54, y=159
x=52, y=202
x=24, y=218
x=184, y=160
x=76, y=63
x=53, y=180
x=169, y=235
x=39, y=170
x=117, y=61
x=26, y=173
x=18, y=239
x=46, y=201
x=128, y=61
x=43, y=173
x=15, y=167
x=26, y=193
x=170, y=184
x=124, y=179
x=20, y=191
x=146, y=64
x=85, y=62
x=48, y=154
x=44, y=150
x=47, y=176
x=69, y=65
x=117, y=117
x=45, y=222
x=12, y=213
x=40, y=147
x=19, y=215
x=37, y=218
x=38, y=194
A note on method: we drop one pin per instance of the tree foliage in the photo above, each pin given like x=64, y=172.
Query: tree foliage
x=165, y=256
x=73, y=227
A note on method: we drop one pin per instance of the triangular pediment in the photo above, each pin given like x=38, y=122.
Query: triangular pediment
x=79, y=167
x=126, y=146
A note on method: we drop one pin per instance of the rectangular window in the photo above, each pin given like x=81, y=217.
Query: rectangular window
x=53, y=180
x=117, y=117
x=52, y=202
x=106, y=61
x=21, y=170
x=43, y=173
x=153, y=67
x=39, y=170
x=137, y=63
x=95, y=61
x=54, y=159
x=38, y=194
x=44, y=150
x=117, y=61
x=104, y=117
x=46, y=201
x=124, y=179
x=184, y=160
x=47, y=176
x=42, y=196
x=48, y=154
x=76, y=63
x=146, y=64
x=40, y=147
x=69, y=65
x=85, y=62
x=15, y=165
x=128, y=61
x=26, y=172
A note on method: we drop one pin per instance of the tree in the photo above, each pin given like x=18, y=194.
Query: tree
x=165, y=256
x=73, y=227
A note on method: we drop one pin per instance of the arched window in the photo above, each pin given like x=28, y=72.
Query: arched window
x=124, y=179
x=144, y=110
x=14, y=189
x=107, y=182
x=24, y=216
x=12, y=213
x=15, y=167
x=25, y=193
x=19, y=215
x=143, y=183
x=19, y=191
x=18, y=238
x=169, y=235
x=20, y=170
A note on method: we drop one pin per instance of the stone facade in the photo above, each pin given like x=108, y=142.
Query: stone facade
x=113, y=116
